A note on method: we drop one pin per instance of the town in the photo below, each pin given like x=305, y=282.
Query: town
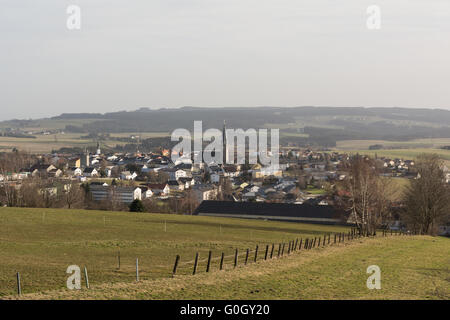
x=113, y=181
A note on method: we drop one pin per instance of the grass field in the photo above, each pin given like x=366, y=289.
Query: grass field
x=47, y=143
x=41, y=247
x=411, y=268
x=411, y=144
x=42, y=243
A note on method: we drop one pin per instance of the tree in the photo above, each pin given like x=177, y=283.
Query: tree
x=137, y=206
x=427, y=199
x=365, y=194
x=73, y=195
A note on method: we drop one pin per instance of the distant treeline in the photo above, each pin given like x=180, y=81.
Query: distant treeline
x=331, y=124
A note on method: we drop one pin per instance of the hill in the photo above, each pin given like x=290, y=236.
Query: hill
x=41, y=243
x=322, y=126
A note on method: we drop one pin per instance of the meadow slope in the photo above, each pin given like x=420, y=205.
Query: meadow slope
x=411, y=268
x=42, y=243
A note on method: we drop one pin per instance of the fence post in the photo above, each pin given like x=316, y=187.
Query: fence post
x=289, y=247
x=282, y=249
x=195, y=263
x=306, y=243
x=279, y=250
x=267, y=251
x=209, y=261
x=335, y=238
x=246, y=256
x=271, y=251
x=137, y=269
x=19, y=288
x=296, y=243
x=300, y=244
x=256, y=253
x=314, y=244
x=329, y=236
x=118, y=257
x=175, y=265
x=236, y=258
x=319, y=242
x=221, y=261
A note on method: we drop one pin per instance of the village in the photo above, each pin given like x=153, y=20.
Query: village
x=112, y=181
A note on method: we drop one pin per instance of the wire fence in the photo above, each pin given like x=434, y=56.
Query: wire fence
x=224, y=260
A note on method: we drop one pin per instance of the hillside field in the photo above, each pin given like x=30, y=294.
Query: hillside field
x=42, y=243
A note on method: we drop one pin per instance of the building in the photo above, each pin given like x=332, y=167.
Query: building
x=119, y=194
x=288, y=212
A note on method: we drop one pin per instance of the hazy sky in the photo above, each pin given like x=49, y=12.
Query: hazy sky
x=172, y=53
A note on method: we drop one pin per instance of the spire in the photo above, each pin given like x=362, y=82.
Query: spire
x=224, y=142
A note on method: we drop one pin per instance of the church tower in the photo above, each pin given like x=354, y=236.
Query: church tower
x=224, y=143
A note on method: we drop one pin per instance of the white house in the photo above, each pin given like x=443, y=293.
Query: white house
x=74, y=172
x=127, y=175
x=90, y=172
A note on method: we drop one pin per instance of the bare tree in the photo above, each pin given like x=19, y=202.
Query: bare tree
x=73, y=195
x=365, y=194
x=427, y=199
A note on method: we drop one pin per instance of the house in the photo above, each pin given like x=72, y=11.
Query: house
x=41, y=169
x=159, y=189
x=187, y=181
x=204, y=192
x=55, y=173
x=289, y=212
x=146, y=192
x=74, y=172
x=175, y=185
x=127, y=175
x=90, y=172
x=175, y=174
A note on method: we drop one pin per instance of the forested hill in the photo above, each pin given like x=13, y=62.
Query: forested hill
x=317, y=125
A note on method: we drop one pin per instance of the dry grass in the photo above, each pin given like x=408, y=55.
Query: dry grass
x=411, y=268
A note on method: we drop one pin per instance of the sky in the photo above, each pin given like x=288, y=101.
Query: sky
x=221, y=53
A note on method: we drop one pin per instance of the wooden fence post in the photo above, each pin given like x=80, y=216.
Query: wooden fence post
x=221, y=261
x=306, y=243
x=314, y=244
x=319, y=242
x=209, y=261
x=86, y=278
x=19, y=288
x=300, y=244
x=289, y=247
x=118, y=258
x=271, y=251
x=195, y=264
x=282, y=249
x=279, y=250
x=174, y=271
x=335, y=238
x=246, y=256
x=296, y=243
x=256, y=253
x=267, y=252
x=236, y=258
x=329, y=236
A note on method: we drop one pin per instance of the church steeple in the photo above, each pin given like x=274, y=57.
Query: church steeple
x=224, y=143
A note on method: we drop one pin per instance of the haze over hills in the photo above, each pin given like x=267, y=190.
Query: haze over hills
x=305, y=125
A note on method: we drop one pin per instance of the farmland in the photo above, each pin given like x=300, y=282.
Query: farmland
x=42, y=243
